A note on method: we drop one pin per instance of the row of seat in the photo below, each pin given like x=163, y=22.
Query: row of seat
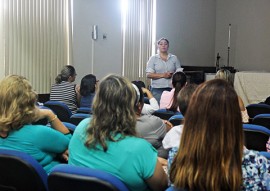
x=259, y=114
x=20, y=171
x=64, y=113
x=256, y=135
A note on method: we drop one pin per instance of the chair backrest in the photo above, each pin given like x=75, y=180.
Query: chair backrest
x=85, y=110
x=71, y=178
x=43, y=121
x=71, y=127
x=256, y=109
x=60, y=109
x=146, y=100
x=176, y=119
x=262, y=119
x=164, y=113
x=78, y=117
x=256, y=137
x=171, y=188
x=265, y=154
x=20, y=171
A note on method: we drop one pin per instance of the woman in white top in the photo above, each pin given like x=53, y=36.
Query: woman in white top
x=150, y=108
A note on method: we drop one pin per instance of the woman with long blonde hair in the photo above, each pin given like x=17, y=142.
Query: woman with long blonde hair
x=18, y=111
x=227, y=76
x=108, y=140
x=211, y=154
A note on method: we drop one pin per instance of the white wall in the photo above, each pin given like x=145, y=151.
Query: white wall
x=107, y=56
x=197, y=31
x=190, y=27
x=250, y=31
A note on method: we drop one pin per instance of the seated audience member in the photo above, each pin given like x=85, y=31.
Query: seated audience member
x=18, y=110
x=226, y=75
x=267, y=101
x=64, y=90
x=108, y=140
x=173, y=137
x=87, y=90
x=147, y=108
x=168, y=99
x=151, y=128
x=211, y=154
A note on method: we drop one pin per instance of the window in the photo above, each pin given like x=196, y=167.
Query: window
x=138, y=27
x=35, y=39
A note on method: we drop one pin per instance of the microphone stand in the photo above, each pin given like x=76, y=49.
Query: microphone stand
x=229, y=43
x=228, y=59
x=217, y=62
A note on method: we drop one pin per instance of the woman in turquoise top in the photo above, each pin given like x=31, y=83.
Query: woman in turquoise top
x=17, y=111
x=108, y=141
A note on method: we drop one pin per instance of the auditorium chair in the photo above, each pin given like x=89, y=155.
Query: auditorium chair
x=256, y=137
x=66, y=177
x=21, y=172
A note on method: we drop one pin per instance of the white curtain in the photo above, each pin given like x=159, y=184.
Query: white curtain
x=138, y=21
x=36, y=39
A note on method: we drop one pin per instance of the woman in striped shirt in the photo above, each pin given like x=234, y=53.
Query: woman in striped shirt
x=65, y=90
